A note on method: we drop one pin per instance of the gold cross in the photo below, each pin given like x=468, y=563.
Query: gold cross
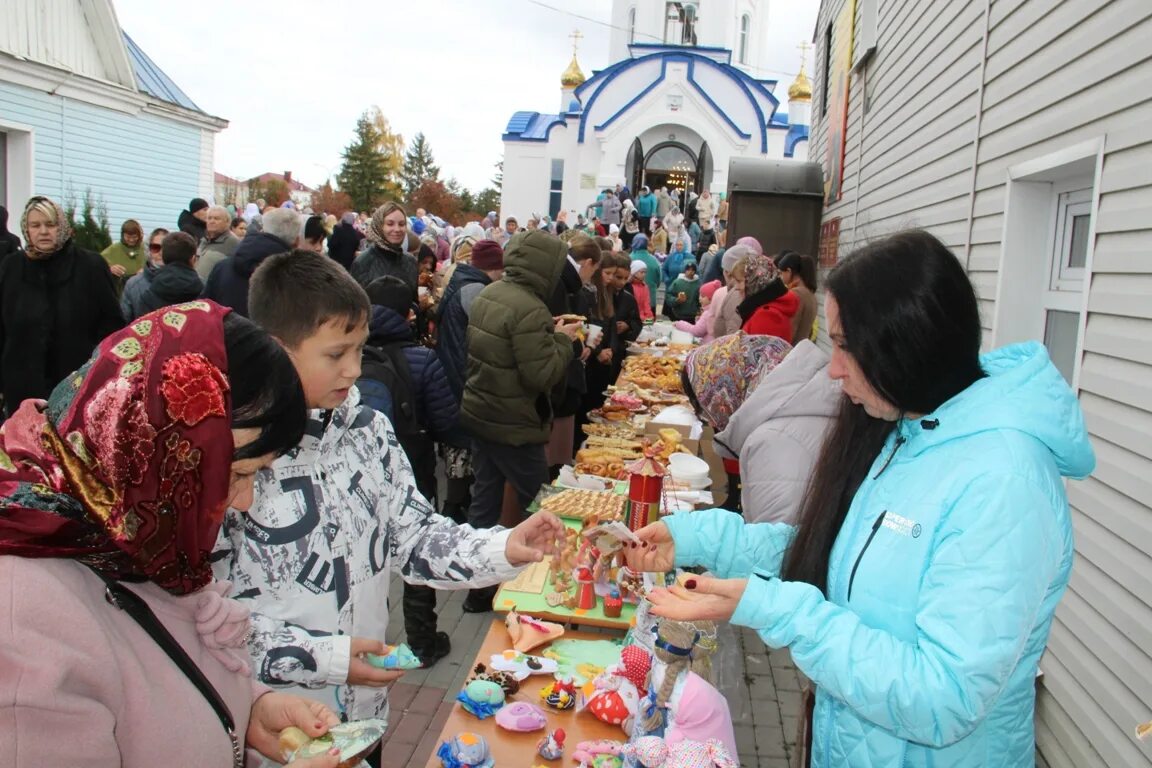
x=804, y=46
x=576, y=36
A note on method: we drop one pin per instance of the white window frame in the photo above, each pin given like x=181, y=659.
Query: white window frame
x=1069, y=204
x=1024, y=292
x=20, y=164
x=631, y=25
x=745, y=33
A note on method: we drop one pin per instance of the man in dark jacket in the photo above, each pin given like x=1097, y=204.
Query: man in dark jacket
x=345, y=241
x=435, y=412
x=517, y=353
x=9, y=243
x=176, y=282
x=228, y=283
x=193, y=221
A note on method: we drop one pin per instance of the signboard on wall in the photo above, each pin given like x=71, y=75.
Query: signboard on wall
x=829, y=243
x=839, y=60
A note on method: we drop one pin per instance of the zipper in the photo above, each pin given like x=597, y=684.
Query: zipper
x=895, y=447
x=867, y=543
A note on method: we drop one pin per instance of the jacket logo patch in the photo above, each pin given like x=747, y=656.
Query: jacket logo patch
x=902, y=525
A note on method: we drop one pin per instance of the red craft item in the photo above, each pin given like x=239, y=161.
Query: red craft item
x=585, y=589
x=645, y=491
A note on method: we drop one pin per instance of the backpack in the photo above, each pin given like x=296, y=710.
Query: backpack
x=385, y=384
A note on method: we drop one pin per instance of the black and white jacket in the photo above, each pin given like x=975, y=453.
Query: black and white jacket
x=312, y=557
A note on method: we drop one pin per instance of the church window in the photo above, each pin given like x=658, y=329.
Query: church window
x=556, y=189
x=631, y=25
x=745, y=27
x=680, y=20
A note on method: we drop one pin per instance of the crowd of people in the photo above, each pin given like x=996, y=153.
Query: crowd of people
x=234, y=429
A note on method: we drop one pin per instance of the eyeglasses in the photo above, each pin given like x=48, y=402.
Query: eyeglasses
x=154, y=247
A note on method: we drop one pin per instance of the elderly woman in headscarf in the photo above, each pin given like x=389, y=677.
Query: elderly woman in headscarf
x=118, y=648
x=127, y=257
x=719, y=375
x=57, y=302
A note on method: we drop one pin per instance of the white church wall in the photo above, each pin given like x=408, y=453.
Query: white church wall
x=730, y=97
x=615, y=95
x=526, y=172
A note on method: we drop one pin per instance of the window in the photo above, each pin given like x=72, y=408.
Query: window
x=1046, y=253
x=631, y=25
x=824, y=71
x=556, y=189
x=680, y=19
x=745, y=25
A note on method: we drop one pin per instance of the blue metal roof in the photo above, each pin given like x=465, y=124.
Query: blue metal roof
x=151, y=79
x=530, y=126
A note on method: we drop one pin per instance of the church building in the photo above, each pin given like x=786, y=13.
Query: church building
x=685, y=94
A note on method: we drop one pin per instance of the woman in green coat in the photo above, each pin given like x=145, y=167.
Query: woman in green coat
x=128, y=256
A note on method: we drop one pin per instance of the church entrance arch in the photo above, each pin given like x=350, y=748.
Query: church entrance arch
x=673, y=165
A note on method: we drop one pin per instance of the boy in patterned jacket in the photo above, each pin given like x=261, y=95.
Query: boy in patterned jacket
x=331, y=518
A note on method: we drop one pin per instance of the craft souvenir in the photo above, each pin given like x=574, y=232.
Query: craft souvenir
x=394, y=657
x=654, y=752
x=520, y=716
x=613, y=604
x=508, y=682
x=559, y=694
x=679, y=647
x=616, y=694
x=603, y=753
x=528, y=632
x=467, y=750
x=481, y=698
x=699, y=712
x=354, y=740
x=521, y=665
x=585, y=588
x=551, y=747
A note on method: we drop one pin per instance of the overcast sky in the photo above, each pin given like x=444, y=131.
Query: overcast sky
x=291, y=77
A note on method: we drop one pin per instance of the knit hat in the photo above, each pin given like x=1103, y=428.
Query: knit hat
x=637, y=267
x=759, y=271
x=197, y=204
x=391, y=292
x=487, y=255
x=640, y=243
x=708, y=290
x=613, y=229
x=732, y=257
x=418, y=226
x=752, y=243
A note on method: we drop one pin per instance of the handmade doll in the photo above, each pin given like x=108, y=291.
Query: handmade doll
x=699, y=712
x=394, y=657
x=653, y=752
x=679, y=647
x=467, y=750
x=618, y=690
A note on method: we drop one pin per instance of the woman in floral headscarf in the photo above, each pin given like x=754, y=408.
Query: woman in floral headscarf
x=57, y=301
x=390, y=251
x=719, y=375
x=124, y=476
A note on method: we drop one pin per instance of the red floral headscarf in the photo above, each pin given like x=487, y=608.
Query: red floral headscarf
x=126, y=467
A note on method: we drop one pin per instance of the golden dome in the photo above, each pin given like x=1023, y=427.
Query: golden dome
x=572, y=76
x=801, y=88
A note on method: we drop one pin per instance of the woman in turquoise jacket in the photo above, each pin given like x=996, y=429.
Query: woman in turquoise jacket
x=918, y=589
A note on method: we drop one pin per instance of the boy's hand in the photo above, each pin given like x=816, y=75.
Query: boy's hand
x=273, y=712
x=361, y=672
x=535, y=538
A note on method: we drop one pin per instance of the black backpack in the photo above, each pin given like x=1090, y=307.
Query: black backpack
x=385, y=384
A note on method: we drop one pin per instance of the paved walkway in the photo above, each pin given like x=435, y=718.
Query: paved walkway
x=763, y=691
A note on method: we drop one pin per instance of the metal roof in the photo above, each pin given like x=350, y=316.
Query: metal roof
x=151, y=79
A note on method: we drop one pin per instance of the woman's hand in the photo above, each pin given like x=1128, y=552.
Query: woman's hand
x=538, y=536
x=360, y=672
x=621, y=326
x=605, y=357
x=273, y=712
x=701, y=598
x=117, y=270
x=656, y=552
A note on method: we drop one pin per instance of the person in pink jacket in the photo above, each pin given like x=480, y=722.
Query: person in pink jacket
x=703, y=327
x=111, y=496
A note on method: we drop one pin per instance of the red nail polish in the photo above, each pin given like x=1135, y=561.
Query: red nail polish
x=644, y=544
x=690, y=584
x=632, y=544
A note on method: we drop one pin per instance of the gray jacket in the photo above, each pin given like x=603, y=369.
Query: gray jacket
x=612, y=207
x=777, y=434
x=212, y=252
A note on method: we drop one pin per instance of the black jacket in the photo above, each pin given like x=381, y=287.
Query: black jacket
x=569, y=297
x=172, y=284
x=228, y=283
x=376, y=262
x=452, y=344
x=53, y=313
x=9, y=243
x=192, y=225
x=343, y=244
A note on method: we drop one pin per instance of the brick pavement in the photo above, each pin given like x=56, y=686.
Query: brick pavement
x=763, y=691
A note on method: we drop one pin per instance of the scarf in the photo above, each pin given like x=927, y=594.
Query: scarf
x=753, y=301
x=375, y=233
x=723, y=372
x=126, y=467
x=63, y=234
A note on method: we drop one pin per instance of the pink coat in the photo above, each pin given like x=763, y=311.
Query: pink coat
x=82, y=684
x=703, y=328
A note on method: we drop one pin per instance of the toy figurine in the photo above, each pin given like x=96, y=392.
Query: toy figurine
x=551, y=747
x=394, y=657
x=617, y=691
x=481, y=698
x=653, y=752
x=585, y=588
x=467, y=750
x=507, y=681
x=521, y=716
x=559, y=694
x=589, y=753
x=613, y=604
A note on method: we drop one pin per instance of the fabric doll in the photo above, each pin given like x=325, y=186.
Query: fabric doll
x=654, y=752
x=699, y=712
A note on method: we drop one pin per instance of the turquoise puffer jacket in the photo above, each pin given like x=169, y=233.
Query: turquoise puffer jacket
x=942, y=582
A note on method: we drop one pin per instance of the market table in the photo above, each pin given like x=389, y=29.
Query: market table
x=515, y=750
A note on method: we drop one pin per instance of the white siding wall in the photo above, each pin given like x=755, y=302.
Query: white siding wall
x=1057, y=72
x=80, y=36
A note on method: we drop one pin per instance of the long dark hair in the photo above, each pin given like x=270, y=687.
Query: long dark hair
x=801, y=265
x=266, y=391
x=910, y=320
